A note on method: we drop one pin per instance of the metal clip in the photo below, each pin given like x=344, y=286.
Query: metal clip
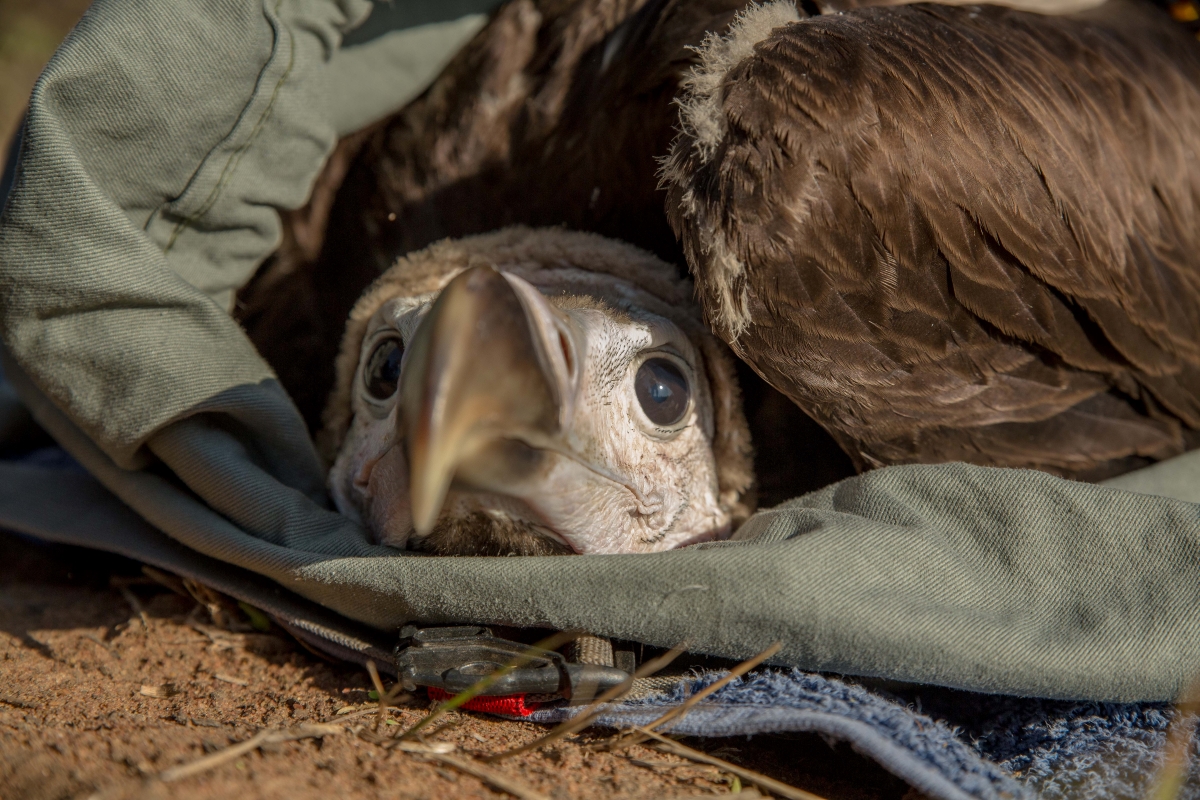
x=455, y=658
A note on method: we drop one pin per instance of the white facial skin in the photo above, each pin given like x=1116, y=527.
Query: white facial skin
x=613, y=482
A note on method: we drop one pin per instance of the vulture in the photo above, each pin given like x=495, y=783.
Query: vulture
x=927, y=232
x=536, y=392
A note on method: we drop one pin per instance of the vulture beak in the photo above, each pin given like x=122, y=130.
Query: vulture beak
x=486, y=390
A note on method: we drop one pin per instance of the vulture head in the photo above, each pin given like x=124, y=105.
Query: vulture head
x=535, y=392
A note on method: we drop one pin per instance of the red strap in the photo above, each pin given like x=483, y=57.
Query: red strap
x=511, y=705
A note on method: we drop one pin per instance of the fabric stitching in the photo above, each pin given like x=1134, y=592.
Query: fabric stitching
x=235, y=158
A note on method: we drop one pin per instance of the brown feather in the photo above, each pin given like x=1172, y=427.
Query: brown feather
x=962, y=233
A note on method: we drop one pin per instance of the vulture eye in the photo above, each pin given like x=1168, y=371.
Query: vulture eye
x=382, y=374
x=662, y=390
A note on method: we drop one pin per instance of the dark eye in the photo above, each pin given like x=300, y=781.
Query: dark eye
x=662, y=390
x=382, y=374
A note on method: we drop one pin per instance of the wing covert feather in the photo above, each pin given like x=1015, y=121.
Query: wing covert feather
x=940, y=230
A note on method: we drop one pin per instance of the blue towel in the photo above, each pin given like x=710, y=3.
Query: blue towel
x=950, y=745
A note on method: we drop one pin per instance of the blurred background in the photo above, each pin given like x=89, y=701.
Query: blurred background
x=29, y=32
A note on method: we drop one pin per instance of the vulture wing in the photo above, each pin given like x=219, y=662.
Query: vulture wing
x=956, y=233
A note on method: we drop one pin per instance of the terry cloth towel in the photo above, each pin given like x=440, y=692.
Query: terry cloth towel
x=949, y=745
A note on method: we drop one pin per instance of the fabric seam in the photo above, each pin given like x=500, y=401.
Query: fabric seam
x=235, y=158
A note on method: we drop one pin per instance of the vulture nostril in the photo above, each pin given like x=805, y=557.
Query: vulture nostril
x=568, y=356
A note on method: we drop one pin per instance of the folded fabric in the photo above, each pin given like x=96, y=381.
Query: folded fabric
x=1005, y=581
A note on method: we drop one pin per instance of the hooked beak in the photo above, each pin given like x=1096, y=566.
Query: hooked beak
x=487, y=385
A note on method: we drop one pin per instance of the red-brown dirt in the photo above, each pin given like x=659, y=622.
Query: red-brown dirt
x=95, y=703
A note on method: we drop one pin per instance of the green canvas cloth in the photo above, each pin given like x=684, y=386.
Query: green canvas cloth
x=159, y=143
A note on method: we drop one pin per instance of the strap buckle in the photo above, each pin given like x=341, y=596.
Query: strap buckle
x=455, y=658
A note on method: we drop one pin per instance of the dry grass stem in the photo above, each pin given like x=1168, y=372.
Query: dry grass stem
x=213, y=601
x=264, y=737
x=423, y=748
x=122, y=586
x=686, y=706
x=585, y=717
x=221, y=639
x=1177, y=755
x=105, y=647
x=674, y=765
x=488, y=775
x=386, y=699
x=395, y=743
x=757, y=778
x=437, y=751
x=230, y=679
x=347, y=713
x=479, y=687
x=166, y=579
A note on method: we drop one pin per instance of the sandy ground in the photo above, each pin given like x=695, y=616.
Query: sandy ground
x=97, y=701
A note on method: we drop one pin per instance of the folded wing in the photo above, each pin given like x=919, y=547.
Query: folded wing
x=957, y=233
